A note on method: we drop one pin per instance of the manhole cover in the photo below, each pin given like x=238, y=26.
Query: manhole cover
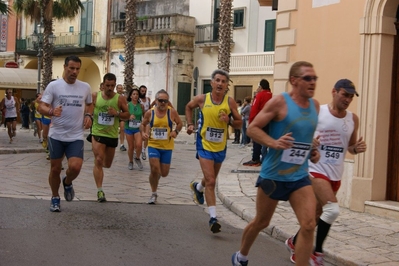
x=245, y=171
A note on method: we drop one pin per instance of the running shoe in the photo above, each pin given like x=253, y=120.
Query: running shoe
x=198, y=196
x=316, y=259
x=122, y=148
x=101, y=196
x=289, y=243
x=143, y=155
x=252, y=163
x=69, y=192
x=138, y=163
x=44, y=144
x=153, y=199
x=214, y=225
x=55, y=204
x=130, y=166
x=236, y=262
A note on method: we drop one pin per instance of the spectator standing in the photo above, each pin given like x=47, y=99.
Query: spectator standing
x=245, y=110
x=261, y=98
x=121, y=92
x=24, y=113
x=237, y=131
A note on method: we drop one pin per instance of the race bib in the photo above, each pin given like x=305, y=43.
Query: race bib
x=159, y=133
x=105, y=119
x=331, y=155
x=134, y=123
x=214, y=134
x=297, y=154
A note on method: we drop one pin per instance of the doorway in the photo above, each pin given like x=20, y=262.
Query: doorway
x=240, y=92
x=393, y=147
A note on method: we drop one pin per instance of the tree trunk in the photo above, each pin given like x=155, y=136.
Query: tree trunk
x=225, y=35
x=130, y=43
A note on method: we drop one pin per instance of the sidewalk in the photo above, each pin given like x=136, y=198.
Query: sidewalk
x=354, y=239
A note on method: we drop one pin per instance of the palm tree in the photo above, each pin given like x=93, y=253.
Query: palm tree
x=225, y=34
x=4, y=8
x=130, y=42
x=44, y=11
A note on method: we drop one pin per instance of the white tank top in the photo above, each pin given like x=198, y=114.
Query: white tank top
x=11, y=110
x=146, y=104
x=335, y=134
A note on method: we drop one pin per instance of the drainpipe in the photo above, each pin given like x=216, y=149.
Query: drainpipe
x=167, y=67
x=107, y=36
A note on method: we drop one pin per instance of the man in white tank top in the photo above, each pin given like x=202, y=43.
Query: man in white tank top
x=121, y=91
x=146, y=102
x=337, y=131
x=10, y=104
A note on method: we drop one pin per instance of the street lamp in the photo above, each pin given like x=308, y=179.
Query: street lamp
x=37, y=38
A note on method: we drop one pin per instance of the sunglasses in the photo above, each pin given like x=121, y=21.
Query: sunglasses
x=163, y=100
x=308, y=78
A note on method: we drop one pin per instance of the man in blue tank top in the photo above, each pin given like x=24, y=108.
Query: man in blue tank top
x=292, y=120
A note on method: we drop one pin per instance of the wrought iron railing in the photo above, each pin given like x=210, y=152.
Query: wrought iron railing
x=206, y=33
x=64, y=39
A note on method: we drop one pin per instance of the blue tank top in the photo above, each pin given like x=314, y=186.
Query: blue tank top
x=291, y=164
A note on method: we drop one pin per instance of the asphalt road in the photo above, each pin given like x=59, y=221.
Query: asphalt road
x=89, y=233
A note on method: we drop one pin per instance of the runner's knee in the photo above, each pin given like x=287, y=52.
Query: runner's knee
x=330, y=212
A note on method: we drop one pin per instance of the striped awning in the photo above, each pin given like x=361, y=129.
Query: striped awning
x=18, y=78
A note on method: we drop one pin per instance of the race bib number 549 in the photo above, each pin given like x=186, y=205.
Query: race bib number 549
x=297, y=154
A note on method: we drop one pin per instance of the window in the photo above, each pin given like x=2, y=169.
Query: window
x=238, y=21
x=270, y=32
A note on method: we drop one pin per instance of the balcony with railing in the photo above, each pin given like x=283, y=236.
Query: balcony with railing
x=252, y=63
x=65, y=42
x=157, y=24
x=207, y=33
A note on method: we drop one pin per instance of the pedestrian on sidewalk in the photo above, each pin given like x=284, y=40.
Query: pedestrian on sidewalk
x=157, y=128
x=109, y=108
x=237, y=131
x=132, y=129
x=146, y=102
x=292, y=118
x=24, y=111
x=120, y=90
x=217, y=112
x=10, y=105
x=262, y=97
x=69, y=104
x=337, y=131
x=245, y=110
x=38, y=117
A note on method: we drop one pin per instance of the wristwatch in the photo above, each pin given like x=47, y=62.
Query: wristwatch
x=177, y=132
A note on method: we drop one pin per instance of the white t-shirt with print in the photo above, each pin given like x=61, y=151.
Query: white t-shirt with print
x=73, y=99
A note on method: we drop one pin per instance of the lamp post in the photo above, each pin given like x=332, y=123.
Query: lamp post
x=37, y=38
